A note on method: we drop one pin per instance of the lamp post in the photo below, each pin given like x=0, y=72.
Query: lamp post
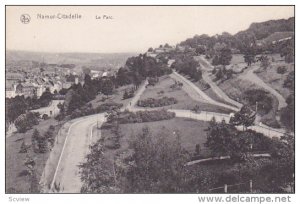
x=256, y=104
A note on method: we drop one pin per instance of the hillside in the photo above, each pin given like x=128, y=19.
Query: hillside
x=264, y=29
x=257, y=32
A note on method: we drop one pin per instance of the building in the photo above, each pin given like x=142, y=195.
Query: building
x=26, y=89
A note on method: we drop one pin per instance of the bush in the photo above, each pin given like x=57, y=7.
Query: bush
x=261, y=97
x=141, y=116
x=128, y=93
x=88, y=110
x=281, y=69
x=152, y=81
x=45, y=117
x=176, y=85
x=25, y=121
x=152, y=102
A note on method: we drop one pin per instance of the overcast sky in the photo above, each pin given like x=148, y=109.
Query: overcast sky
x=132, y=29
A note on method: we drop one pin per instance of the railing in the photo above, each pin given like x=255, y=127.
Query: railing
x=234, y=188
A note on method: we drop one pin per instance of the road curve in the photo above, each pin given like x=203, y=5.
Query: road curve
x=75, y=148
x=73, y=153
x=207, y=116
x=205, y=64
x=255, y=79
x=193, y=91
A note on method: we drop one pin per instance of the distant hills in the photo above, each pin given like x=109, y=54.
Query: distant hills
x=92, y=60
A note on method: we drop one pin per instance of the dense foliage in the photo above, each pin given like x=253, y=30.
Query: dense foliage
x=258, y=97
x=157, y=102
x=26, y=121
x=188, y=66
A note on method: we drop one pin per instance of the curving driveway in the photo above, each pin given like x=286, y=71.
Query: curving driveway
x=75, y=148
x=194, y=92
x=252, y=77
x=207, y=66
x=79, y=137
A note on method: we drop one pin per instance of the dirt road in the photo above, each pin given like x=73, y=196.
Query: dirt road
x=252, y=77
x=66, y=177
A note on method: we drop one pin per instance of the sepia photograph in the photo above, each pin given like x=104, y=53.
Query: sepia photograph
x=150, y=99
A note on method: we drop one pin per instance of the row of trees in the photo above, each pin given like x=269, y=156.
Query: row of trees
x=19, y=105
x=134, y=72
x=138, y=68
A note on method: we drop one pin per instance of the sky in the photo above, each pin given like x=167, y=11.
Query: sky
x=130, y=29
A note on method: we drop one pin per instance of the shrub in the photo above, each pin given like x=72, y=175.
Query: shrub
x=24, y=147
x=152, y=81
x=128, y=93
x=88, y=110
x=108, y=106
x=281, y=69
x=25, y=121
x=45, y=117
x=152, y=102
x=176, y=85
x=261, y=97
x=141, y=116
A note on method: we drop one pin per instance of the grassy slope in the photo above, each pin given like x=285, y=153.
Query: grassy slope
x=15, y=160
x=275, y=80
x=117, y=97
x=184, y=101
x=235, y=87
x=192, y=132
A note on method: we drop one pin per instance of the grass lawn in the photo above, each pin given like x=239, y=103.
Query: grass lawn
x=15, y=177
x=275, y=80
x=192, y=132
x=117, y=97
x=162, y=88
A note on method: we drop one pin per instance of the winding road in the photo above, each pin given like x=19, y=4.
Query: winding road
x=207, y=66
x=75, y=148
x=197, y=94
x=79, y=136
x=249, y=74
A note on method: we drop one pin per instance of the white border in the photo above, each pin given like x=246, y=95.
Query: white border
x=150, y=198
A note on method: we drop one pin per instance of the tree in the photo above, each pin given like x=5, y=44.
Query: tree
x=249, y=57
x=29, y=164
x=107, y=87
x=150, y=49
x=45, y=98
x=96, y=173
x=200, y=50
x=288, y=51
x=287, y=115
x=265, y=62
x=24, y=147
x=223, y=57
x=225, y=140
x=244, y=117
x=42, y=143
x=25, y=121
x=220, y=138
x=150, y=165
x=14, y=107
x=34, y=140
x=289, y=82
x=30, y=167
